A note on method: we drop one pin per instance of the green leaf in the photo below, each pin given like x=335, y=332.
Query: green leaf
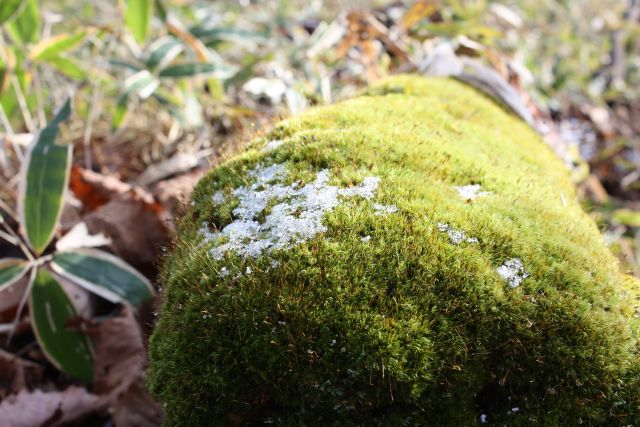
x=104, y=275
x=124, y=64
x=215, y=35
x=138, y=17
x=121, y=111
x=67, y=66
x=44, y=179
x=628, y=217
x=11, y=270
x=163, y=51
x=221, y=71
x=53, y=46
x=142, y=83
x=26, y=27
x=51, y=310
x=9, y=8
x=162, y=11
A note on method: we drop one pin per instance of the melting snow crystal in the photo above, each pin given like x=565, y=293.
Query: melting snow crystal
x=218, y=197
x=456, y=236
x=272, y=145
x=471, y=192
x=513, y=272
x=384, y=209
x=296, y=216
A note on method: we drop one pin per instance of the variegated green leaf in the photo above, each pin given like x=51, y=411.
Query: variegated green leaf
x=104, y=275
x=51, y=310
x=44, y=179
x=163, y=51
x=221, y=71
x=11, y=270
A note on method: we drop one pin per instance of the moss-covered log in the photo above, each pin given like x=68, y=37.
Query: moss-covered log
x=413, y=256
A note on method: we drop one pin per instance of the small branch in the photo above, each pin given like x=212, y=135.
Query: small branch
x=22, y=103
x=23, y=301
x=42, y=118
x=94, y=111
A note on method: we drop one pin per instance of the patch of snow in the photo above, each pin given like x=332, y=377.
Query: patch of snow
x=365, y=239
x=471, y=192
x=513, y=272
x=295, y=217
x=366, y=189
x=272, y=145
x=384, y=209
x=218, y=198
x=456, y=236
x=223, y=272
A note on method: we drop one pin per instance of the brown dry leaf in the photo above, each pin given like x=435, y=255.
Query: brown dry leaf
x=418, y=11
x=136, y=224
x=179, y=163
x=136, y=408
x=119, y=371
x=119, y=353
x=94, y=189
x=10, y=298
x=174, y=193
x=17, y=373
x=38, y=408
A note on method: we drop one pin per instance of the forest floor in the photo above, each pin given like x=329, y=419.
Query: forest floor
x=571, y=68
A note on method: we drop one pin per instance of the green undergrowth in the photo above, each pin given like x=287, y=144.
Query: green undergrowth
x=381, y=319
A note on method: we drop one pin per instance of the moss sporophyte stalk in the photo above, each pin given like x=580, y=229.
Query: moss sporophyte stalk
x=412, y=256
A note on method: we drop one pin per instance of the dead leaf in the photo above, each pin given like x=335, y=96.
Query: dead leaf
x=175, y=193
x=119, y=371
x=135, y=223
x=177, y=164
x=38, y=408
x=17, y=373
x=94, y=189
x=119, y=353
x=136, y=408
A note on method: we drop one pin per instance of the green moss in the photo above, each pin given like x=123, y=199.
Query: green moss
x=381, y=318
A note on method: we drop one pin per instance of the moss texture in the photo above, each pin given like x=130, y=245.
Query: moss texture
x=450, y=310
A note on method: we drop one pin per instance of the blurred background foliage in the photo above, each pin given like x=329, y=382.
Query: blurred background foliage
x=180, y=83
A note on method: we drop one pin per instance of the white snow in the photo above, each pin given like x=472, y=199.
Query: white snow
x=295, y=217
x=513, y=272
x=272, y=145
x=456, y=236
x=384, y=209
x=471, y=192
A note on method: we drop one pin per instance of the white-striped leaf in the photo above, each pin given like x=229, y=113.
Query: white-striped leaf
x=11, y=270
x=104, y=275
x=50, y=311
x=43, y=182
x=220, y=71
x=163, y=51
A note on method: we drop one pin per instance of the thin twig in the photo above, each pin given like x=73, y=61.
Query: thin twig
x=42, y=118
x=23, y=301
x=9, y=238
x=22, y=103
x=94, y=110
x=20, y=243
x=6, y=124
